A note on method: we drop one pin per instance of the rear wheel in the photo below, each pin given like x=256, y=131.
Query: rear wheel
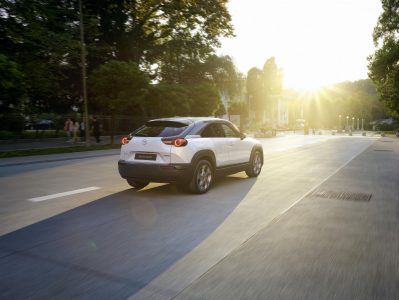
x=255, y=165
x=202, y=177
x=137, y=184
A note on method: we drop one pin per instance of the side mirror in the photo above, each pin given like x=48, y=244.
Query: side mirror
x=242, y=136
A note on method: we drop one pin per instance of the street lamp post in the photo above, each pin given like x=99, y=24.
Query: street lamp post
x=362, y=125
x=353, y=123
x=347, y=123
x=357, y=127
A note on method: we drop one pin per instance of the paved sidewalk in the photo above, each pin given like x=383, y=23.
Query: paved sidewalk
x=328, y=246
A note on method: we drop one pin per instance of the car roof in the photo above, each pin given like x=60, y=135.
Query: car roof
x=188, y=120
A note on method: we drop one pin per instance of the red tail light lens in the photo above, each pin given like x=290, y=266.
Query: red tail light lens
x=180, y=142
x=167, y=142
x=175, y=142
x=125, y=140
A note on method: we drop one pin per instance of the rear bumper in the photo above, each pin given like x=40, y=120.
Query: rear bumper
x=171, y=173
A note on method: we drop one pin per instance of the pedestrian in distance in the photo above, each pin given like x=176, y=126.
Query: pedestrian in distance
x=96, y=129
x=75, y=128
x=68, y=128
x=82, y=131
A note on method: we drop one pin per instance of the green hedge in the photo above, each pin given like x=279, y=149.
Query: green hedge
x=47, y=151
x=30, y=134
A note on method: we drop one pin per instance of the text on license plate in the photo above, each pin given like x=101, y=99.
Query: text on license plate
x=145, y=156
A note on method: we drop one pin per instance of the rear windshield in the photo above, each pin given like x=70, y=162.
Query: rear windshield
x=161, y=129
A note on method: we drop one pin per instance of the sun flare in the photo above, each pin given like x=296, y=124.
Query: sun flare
x=315, y=42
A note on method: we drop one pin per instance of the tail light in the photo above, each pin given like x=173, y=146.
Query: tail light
x=125, y=140
x=175, y=142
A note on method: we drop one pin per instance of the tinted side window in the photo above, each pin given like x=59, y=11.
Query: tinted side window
x=212, y=130
x=229, y=132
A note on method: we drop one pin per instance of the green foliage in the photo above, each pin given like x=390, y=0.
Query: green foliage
x=40, y=36
x=118, y=86
x=30, y=134
x=10, y=84
x=238, y=108
x=221, y=110
x=164, y=38
x=223, y=73
x=13, y=122
x=168, y=100
x=383, y=64
x=83, y=148
x=205, y=99
x=175, y=34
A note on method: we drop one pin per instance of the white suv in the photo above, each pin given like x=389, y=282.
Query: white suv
x=190, y=151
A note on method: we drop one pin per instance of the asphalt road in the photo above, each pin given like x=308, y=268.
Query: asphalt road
x=246, y=238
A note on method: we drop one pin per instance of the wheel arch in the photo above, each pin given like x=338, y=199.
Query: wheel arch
x=204, y=154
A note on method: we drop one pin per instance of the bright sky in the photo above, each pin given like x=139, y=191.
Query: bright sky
x=315, y=42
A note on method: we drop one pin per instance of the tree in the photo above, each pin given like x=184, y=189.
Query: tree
x=222, y=71
x=272, y=87
x=10, y=84
x=169, y=33
x=42, y=38
x=167, y=100
x=221, y=110
x=205, y=99
x=218, y=70
x=255, y=93
x=117, y=87
x=358, y=99
x=165, y=38
x=384, y=63
x=272, y=77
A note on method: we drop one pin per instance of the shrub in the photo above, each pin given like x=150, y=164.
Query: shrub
x=12, y=122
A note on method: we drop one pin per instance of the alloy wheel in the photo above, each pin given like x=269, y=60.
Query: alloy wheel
x=204, y=177
x=257, y=163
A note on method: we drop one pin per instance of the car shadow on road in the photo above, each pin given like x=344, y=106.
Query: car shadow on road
x=113, y=247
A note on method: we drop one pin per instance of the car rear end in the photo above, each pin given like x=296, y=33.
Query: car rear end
x=146, y=153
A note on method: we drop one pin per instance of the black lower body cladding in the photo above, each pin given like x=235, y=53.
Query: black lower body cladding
x=171, y=173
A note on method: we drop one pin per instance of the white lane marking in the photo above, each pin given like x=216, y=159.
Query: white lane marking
x=53, y=196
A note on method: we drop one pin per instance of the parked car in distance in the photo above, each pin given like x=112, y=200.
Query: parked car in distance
x=42, y=124
x=189, y=151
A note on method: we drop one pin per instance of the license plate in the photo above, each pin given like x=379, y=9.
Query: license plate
x=145, y=156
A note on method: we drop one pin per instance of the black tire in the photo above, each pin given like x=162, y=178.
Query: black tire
x=137, y=184
x=255, y=164
x=202, y=178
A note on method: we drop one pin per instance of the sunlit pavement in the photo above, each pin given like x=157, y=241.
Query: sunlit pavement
x=263, y=238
